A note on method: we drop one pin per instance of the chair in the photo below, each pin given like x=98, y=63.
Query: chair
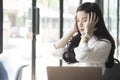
x=10, y=67
x=3, y=72
x=19, y=73
x=113, y=73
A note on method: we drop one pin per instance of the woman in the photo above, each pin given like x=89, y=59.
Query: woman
x=88, y=41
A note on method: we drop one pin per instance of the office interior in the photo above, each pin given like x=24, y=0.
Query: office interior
x=26, y=51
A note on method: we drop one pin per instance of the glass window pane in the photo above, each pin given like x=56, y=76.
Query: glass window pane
x=49, y=33
x=110, y=16
x=16, y=43
x=88, y=1
x=69, y=13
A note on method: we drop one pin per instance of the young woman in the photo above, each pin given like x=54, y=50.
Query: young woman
x=88, y=41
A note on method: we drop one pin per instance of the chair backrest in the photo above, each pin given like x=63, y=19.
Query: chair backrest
x=112, y=73
x=3, y=72
x=19, y=73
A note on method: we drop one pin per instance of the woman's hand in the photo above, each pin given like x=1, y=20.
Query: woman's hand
x=91, y=22
x=64, y=40
x=75, y=27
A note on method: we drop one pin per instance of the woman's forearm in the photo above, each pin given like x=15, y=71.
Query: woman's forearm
x=63, y=41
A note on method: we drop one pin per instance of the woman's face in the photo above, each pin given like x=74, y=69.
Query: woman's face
x=81, y=20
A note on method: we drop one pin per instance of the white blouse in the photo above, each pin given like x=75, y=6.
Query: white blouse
x=93, y=53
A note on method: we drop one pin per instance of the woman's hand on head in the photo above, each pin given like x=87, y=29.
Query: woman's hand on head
x=75, y=27
x=91, y=22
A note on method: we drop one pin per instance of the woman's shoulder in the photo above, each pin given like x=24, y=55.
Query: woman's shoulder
x=105, y=41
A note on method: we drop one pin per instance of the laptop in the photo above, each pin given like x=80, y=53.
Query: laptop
x=74, y=73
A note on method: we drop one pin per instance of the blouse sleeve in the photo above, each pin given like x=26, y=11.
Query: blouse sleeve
x=98, y=53
x=58, y=53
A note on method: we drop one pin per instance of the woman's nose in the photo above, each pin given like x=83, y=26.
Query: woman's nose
x=80, y=23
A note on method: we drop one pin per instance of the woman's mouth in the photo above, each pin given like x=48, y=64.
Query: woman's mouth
x=81, y=31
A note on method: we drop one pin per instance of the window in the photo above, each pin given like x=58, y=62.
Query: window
x=112, y=19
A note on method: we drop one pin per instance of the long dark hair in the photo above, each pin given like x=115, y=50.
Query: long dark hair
x=101, y=33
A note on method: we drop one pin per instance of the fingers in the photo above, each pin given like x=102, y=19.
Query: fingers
x=75, y=20
x=92, y=18
x=97, y=20
x=75, y=24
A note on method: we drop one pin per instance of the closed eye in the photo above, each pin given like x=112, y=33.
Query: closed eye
x=84, y=19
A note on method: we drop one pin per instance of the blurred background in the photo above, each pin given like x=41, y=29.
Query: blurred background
x=17, y=32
